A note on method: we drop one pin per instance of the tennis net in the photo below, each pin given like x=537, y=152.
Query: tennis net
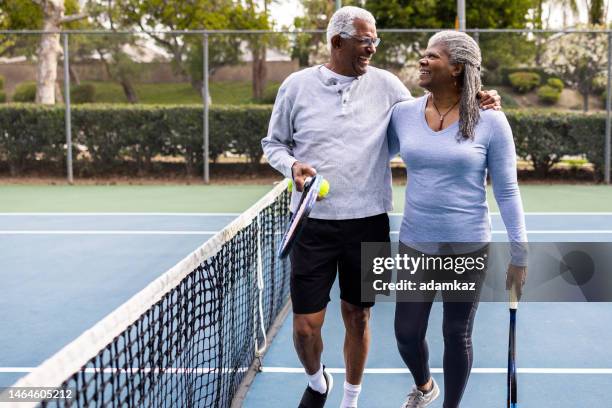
x=188, y=338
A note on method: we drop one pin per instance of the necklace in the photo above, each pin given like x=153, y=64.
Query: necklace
x=445, y=113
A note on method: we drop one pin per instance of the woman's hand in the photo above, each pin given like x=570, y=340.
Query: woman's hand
x=516, y=276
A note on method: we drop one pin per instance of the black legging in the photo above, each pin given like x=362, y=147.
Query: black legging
x=411, y=320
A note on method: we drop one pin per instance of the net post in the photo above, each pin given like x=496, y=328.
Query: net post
x=608, y=109
x=205, y=92
x=68, y=118
x=338, y=4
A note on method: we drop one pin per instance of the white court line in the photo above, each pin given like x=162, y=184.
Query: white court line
x=573, y=213
x=162, y=232
x=109, y=232
x=606, y=371
x=548, y=232
x=210, y=214
x=299, y=370
x=122, y=214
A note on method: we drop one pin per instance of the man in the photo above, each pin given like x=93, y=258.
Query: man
x=331, y=120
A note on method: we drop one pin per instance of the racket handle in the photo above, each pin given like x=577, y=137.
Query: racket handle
x=513, y=297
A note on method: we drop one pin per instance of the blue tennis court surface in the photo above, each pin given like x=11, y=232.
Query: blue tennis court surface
x=62, y=273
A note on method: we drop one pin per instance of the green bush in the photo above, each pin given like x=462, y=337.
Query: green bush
x=85, y=93
x=524, y=82
x=600, y=83
x=548, y=94
x=555, y=83
x=2, y=97
x=506, y=72
x=25, y=92
x=1, y=83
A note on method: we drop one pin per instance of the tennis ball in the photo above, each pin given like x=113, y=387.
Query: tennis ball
x=290, y=186
x=324, y=189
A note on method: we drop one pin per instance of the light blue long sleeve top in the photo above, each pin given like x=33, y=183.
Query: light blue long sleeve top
x=446, y=191
x=338, y=125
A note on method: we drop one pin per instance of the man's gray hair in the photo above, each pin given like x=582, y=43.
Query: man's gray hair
x=462, y=49
x=342, y=21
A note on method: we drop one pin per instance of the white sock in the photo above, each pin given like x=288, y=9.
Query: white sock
x=317, y=381
x=351, y=395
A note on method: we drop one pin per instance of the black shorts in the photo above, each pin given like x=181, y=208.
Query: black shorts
x=327, y=247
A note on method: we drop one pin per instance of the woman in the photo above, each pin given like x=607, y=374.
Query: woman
x=449, y=146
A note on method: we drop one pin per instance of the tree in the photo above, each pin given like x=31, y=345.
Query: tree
x=596, y=11
x=577, y=59
x=498, y=50
x=198, y=15
x=49, y=49
x=48, y=15
x=18, y=16
x=316, y=17
x=119, y=66
x=568, y=7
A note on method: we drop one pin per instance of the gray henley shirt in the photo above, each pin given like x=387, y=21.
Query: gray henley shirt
x=339, y=128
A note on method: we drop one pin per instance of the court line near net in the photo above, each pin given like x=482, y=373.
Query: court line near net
x=232, y=214
x=484, y=370
x=174, y=232
x=102, y=232
x=122, y=214
x=299, y=370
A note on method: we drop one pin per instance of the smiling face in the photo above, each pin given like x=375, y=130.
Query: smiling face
x=353, y=55
x=435, y=69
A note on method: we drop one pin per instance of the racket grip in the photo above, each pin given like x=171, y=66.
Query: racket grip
x=513, y=298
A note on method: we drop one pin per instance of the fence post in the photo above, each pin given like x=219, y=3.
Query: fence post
x=608, y=108
x=205, y=147
x=461, y=14
x=68, y=118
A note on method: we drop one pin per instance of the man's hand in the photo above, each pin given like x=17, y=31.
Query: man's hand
x=301, y=171
x=516, y=276
x=490, y=99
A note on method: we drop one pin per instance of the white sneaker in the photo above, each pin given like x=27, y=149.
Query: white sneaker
x=418, y=399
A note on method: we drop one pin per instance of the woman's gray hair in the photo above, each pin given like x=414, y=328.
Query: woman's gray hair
x=462, y=49
x=342, y=21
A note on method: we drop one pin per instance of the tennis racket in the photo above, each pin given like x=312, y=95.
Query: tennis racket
x=307, y=202
x=512, y=399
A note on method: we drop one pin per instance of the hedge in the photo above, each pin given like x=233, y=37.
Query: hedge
x=544, y=137
x=109, y=137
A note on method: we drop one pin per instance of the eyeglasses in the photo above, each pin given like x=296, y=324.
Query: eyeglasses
x=365, y=41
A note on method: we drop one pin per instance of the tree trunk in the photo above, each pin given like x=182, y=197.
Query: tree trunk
x=585, y=102
x=48, y=51
x=128, y=90
x=259, y=71
x=74, y=76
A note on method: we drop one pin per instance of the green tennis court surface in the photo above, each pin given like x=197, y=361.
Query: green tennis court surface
x=237, y=198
